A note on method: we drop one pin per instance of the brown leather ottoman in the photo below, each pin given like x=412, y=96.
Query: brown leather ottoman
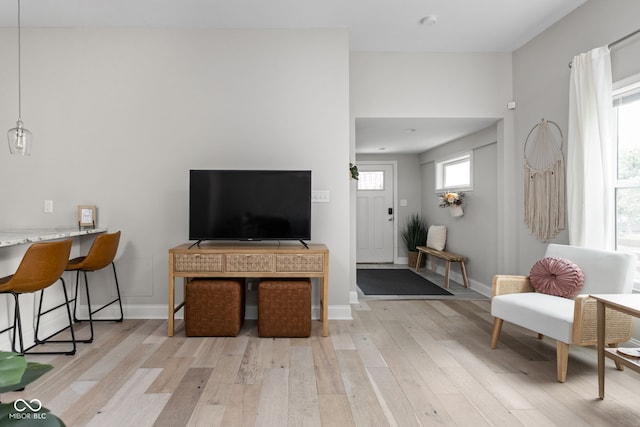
x=214, y=307
x=284, y=308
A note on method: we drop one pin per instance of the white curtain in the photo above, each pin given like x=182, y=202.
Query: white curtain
x=591, y=151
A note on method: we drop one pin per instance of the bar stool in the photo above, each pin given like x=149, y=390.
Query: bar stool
x=41, y=266
x=100, y=255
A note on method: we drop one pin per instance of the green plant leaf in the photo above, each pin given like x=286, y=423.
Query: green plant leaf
x=32, y=373
x=354, y=171
x=12, y=367
x=414, y=232
x=16, y=372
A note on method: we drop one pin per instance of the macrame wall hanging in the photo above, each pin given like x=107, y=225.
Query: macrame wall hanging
x=544, y=181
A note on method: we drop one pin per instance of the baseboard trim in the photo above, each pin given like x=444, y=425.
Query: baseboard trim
x=353, y=297
x=160, y=311
x=479, y=287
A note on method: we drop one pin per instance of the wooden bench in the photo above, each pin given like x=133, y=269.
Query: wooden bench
x=448, y=257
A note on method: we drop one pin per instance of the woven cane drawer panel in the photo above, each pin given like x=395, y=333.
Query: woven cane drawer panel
x=300, y=263
x=198, y=262
x=249, y=262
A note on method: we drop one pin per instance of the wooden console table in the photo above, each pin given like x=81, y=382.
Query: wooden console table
x=249, y=260
x=625, y=303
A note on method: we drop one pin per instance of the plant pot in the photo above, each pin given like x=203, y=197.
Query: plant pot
x=456, y=210
x=413, y=259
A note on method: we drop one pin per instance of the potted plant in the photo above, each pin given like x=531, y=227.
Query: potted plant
x=414, y=234
x=453, y=201
x=353, y=170
x=15, y=374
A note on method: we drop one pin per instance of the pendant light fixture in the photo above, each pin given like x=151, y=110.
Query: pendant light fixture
x=19, y=138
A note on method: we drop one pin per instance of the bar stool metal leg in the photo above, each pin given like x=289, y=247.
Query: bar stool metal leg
x=90, y=310
x=70, y=327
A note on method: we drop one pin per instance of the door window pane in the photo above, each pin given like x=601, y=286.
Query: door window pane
x=371, y=180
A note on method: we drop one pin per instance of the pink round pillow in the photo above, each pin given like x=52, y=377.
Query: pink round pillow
x=556, y=276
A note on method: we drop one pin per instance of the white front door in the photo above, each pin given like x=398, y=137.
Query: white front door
x=374, y=213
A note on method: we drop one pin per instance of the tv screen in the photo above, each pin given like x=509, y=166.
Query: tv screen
x=249, y=205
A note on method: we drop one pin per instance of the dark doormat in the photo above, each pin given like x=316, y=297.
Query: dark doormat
x=375, y=281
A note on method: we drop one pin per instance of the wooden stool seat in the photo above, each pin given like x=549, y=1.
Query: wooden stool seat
x=284, y=308
x=213, y=307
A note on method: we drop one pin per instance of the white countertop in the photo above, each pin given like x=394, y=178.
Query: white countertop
x=31, y=235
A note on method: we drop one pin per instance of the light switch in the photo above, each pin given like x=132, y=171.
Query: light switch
x=320, y=196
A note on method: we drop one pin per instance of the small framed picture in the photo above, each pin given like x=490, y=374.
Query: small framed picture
x=86, y=216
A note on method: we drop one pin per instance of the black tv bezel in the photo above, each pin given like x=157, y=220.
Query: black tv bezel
x=300, y=238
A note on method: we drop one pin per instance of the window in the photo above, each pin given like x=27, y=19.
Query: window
x=627, y=182
x=371, y=180
x=455, y=173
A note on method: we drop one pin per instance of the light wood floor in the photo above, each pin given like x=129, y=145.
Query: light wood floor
x=397, y=363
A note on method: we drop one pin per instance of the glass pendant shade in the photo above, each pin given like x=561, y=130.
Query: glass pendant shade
x=20, y=140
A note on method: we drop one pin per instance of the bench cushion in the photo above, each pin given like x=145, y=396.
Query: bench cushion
x=549, y=315
x=437, y=237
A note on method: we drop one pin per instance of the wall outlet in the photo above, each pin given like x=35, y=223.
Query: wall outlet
x=48, y=206
x=320, y=196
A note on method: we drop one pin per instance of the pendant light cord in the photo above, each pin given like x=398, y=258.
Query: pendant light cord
x=19, y=68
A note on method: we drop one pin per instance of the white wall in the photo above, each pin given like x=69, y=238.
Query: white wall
x=119, y=116
x=415, y=85
x=474, y=235
x=430, y=84
x=541, y=83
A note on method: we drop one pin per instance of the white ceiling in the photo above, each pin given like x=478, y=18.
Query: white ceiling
x=386, y=135
x=373, y=25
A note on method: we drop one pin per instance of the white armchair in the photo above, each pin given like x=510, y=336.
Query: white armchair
x=568, y=321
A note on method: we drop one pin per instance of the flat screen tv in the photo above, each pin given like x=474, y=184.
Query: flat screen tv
x=249, y=205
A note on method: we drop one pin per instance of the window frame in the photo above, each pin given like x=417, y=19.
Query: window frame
x=454, y=159
x=626, y=88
